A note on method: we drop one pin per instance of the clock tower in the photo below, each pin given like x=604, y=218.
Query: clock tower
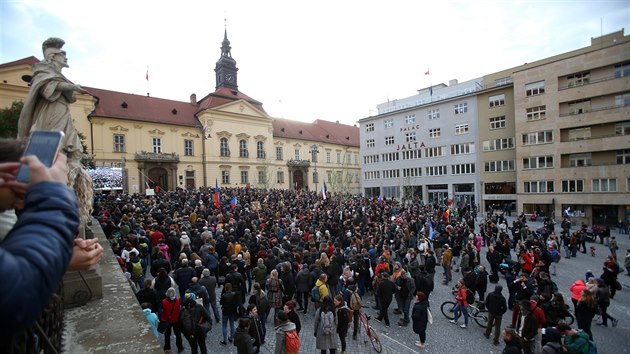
x=226, y=67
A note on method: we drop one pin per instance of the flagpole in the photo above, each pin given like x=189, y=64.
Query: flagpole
x=147, y=77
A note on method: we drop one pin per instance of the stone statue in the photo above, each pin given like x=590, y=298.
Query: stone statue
x=47, y=107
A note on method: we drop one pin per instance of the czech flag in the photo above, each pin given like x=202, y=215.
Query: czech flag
x=216, y=193
x=324, y=191
x=233, y=202
x=146, y=183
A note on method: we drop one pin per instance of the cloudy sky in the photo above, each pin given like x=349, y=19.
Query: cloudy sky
x=304, y=60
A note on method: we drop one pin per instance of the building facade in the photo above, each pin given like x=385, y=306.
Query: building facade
x=224, y=138
x=572, y=115
x=550, y=137
x=424, y=146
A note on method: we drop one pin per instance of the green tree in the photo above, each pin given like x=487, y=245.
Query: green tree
x=9, y=119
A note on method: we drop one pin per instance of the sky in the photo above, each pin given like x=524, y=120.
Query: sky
x=304, y=60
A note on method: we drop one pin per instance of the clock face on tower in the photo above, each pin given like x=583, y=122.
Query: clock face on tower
x=229, y=78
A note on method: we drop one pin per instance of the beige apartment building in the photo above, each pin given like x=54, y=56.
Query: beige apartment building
x=572, y=121
x=226, y=137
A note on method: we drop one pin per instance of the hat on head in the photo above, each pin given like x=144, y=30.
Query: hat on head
x=552, y=335
x=498, y=288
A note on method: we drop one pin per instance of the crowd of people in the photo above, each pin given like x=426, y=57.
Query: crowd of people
x=288, y=251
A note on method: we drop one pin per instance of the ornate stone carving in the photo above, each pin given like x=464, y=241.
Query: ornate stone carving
x=298, y=163
x=155, y=156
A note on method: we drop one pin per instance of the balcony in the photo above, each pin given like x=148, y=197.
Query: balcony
x=298, y=163
x=146, y=156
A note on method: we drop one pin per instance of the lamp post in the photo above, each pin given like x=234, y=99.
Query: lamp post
x=204, y=132
x=314, y=151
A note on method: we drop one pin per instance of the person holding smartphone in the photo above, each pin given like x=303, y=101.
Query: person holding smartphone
x=36, y=252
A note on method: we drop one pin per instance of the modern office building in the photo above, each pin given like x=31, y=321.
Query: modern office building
x=546, y=137
x=225, y=136
x=424, y=146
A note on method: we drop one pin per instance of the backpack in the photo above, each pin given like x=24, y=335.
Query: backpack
x=315, y=294
x=592, y=347
x=143, y=248
x=355, y=301
x=327, y=322
x=186, y=321
x=136, y=270
x=274, y=285
x=470, y=296
x=350, y=314
x=555, y=256
x=291, y=341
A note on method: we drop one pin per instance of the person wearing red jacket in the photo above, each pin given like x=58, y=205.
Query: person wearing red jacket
x=170, y=314
x=461, y=293
x=576, y=292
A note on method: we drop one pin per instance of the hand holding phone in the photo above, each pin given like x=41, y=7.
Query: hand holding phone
x=43, y=144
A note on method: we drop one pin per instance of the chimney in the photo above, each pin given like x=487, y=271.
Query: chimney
x=193, y=99
x=452, y=82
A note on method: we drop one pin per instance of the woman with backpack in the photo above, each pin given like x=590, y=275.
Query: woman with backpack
x=287, y=339
x=274, y=292
x=326, y=326
x=195, y=322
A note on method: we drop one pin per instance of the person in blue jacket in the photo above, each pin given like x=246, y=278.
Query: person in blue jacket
x=36, y=252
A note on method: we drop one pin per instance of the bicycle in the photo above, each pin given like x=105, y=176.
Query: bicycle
x=474, y=312
x=370, y=332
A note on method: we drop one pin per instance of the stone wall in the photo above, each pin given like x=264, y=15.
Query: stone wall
x=113, y=323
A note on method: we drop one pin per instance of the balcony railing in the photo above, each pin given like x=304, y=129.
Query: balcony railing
x=156, y=156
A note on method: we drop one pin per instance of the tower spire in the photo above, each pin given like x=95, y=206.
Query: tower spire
x=225, y=68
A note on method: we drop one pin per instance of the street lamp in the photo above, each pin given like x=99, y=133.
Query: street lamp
x=314, y=151
x=204, y=135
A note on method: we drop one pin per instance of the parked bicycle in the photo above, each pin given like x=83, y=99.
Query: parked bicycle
x=474, y=311
x=372, y=336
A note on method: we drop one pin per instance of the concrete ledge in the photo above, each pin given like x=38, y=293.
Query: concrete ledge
x=114, y=323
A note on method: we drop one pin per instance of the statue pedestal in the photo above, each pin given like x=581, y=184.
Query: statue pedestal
x=81, y=287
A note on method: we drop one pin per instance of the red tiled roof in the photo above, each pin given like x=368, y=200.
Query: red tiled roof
x=320, y=130
x=225, y=95
x=28, y=61
x=143, y=108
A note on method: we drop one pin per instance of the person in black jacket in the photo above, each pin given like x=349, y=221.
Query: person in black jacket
x=481, y=284
x=496, y=306
x=420, y=317
x=229, y=306
x=149, y=295
x=183, y=277
x=289, y=309
x=255, y=327
x=342, y=320
x=385, y=292
x=512, y=342
x=242, y=339
x=238, y=283
x=191, y=316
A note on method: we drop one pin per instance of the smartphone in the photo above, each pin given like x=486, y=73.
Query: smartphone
x=45, y=145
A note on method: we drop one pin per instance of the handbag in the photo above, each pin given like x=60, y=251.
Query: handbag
x=617, y=285
x=162, y=326
x=429, y=316
x=204, y=327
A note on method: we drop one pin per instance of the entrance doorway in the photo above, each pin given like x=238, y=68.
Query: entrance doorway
x=159, y=177
x=298, y=180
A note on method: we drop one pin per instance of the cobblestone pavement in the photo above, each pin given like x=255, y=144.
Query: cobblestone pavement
x=444, y=337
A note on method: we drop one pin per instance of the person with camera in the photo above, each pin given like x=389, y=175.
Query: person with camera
x=41, y=239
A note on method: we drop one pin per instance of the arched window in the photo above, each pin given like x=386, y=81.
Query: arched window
x=260, y=150
x=242, y=146
x=225, y=149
